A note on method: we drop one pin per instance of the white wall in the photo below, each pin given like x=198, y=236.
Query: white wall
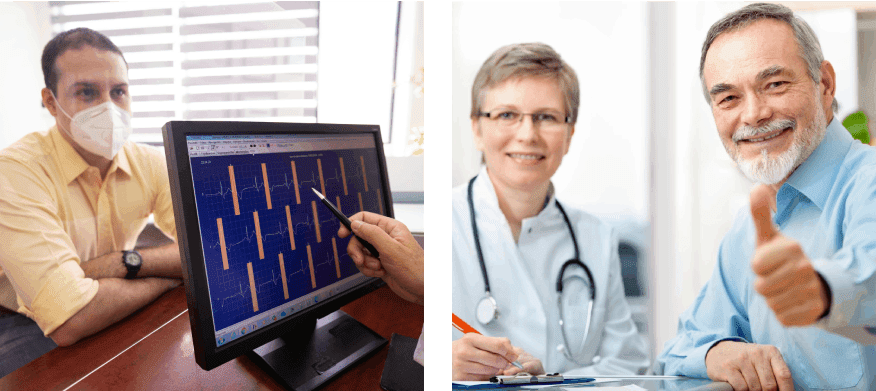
x=606, y=167
x=866, y=72
x=356, y=45
x=24, y=30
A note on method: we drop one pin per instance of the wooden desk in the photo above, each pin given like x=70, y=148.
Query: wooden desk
x=152, y=350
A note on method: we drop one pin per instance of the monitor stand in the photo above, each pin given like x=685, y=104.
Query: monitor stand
x=314, y=354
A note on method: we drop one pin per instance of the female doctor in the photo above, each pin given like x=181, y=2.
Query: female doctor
x=512, y=237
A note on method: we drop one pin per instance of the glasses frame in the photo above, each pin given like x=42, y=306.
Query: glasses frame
x=492, y=115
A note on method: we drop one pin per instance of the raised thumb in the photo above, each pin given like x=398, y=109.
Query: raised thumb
x=761, y=199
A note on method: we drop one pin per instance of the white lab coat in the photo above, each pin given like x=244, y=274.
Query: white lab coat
x=523, y=282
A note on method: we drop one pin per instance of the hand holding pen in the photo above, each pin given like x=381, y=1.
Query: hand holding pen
x=401, y=257
x=477, y=357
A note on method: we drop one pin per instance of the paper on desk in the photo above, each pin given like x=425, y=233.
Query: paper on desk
x=558, y=387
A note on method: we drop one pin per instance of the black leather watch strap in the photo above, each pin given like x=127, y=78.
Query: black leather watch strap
x=132, y=261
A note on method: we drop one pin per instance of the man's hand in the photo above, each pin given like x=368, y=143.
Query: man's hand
x=785, y=276
x=531, y=365
x=476, y=357
x=749, y=366
x=401, y=257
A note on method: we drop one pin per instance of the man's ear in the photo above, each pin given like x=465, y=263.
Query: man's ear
x=49, y=102
x=828, y=81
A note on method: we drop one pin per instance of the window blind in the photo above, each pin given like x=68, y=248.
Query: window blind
x=222, y=60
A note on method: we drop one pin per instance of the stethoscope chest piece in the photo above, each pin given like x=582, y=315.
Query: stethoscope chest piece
x=487, y=310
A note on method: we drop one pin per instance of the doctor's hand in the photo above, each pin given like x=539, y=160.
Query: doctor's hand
x=748, y=366
x=531, y=365
x=476, y=357
x=785, y=277
x=401, y=257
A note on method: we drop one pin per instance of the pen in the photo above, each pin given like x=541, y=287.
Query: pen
x=460, y=325
x=346, y=222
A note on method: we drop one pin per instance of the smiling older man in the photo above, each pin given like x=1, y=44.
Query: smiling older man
x=791, y=304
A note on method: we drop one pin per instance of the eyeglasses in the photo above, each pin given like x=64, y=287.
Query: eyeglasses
x=546, y=121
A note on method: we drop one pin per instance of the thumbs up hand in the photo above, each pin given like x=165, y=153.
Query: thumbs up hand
x=785, y=278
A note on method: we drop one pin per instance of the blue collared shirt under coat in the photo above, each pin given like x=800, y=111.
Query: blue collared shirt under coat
x=828, y=205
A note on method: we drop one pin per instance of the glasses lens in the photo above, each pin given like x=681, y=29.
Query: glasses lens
x=549, y=122
x=506, y=118
x=575, y=301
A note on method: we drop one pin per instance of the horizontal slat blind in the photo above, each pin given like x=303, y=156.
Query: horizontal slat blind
x=217, y=60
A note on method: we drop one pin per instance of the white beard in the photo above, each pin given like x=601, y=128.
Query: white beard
x=770, y=171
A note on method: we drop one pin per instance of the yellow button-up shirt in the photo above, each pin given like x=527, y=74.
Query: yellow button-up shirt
x=57, y=212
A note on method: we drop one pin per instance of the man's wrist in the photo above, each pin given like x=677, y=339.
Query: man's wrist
x=826, y=297
x=132, y=261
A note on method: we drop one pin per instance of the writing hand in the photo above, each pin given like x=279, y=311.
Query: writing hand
x=531, y=365
x=478, y=358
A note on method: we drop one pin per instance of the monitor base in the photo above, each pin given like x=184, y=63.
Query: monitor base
x=336, y=343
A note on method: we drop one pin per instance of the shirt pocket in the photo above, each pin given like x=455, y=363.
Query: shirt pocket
x=823, y=360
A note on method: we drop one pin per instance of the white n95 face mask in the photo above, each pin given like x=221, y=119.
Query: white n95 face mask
x=102, y=129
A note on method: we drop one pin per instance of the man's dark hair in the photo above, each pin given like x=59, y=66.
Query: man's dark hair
x=72, y=39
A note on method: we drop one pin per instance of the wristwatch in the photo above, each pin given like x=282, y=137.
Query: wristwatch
x=132, y=261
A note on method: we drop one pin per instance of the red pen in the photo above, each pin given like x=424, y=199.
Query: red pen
x=460, y=325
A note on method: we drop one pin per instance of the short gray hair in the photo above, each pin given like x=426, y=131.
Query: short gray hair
x=807, y=42
x=526, y=60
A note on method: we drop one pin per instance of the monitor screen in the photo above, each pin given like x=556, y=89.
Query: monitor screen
x=260, y=246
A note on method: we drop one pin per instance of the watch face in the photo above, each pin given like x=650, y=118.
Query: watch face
x=132, y=259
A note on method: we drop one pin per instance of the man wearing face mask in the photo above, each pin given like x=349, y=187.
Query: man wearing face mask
x=74, y=200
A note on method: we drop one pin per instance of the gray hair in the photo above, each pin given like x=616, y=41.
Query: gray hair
x=807, y=42
x=526, y=60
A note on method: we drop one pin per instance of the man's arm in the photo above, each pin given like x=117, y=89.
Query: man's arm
x=162, y=261
x=850, y=273
x=115, y=299
x=717, y=314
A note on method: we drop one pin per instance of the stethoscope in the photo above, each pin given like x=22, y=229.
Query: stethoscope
x=487, y=310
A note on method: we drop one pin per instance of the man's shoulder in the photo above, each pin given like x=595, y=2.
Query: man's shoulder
x=31, y=147
x=146, y=160
x=859, y=162
x=143, y=153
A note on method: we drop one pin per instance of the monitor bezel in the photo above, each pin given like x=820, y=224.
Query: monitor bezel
x=174, y=133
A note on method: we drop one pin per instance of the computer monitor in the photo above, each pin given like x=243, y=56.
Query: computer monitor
x=261, y=257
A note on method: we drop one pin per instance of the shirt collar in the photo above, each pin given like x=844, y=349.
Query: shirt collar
x=72, y=164
x=815, y=176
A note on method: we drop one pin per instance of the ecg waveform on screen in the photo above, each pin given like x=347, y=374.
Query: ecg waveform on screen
x=266, y=237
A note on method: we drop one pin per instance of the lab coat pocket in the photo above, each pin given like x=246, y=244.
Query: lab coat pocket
x=823, y=360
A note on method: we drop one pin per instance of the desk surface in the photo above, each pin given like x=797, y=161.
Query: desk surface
x=152, y=350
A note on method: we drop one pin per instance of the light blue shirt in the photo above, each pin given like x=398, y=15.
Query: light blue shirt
x=829, y=206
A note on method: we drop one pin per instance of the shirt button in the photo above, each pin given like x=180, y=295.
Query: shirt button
x=530, y=230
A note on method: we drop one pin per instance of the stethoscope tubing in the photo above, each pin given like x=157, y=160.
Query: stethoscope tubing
x=559, y=284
